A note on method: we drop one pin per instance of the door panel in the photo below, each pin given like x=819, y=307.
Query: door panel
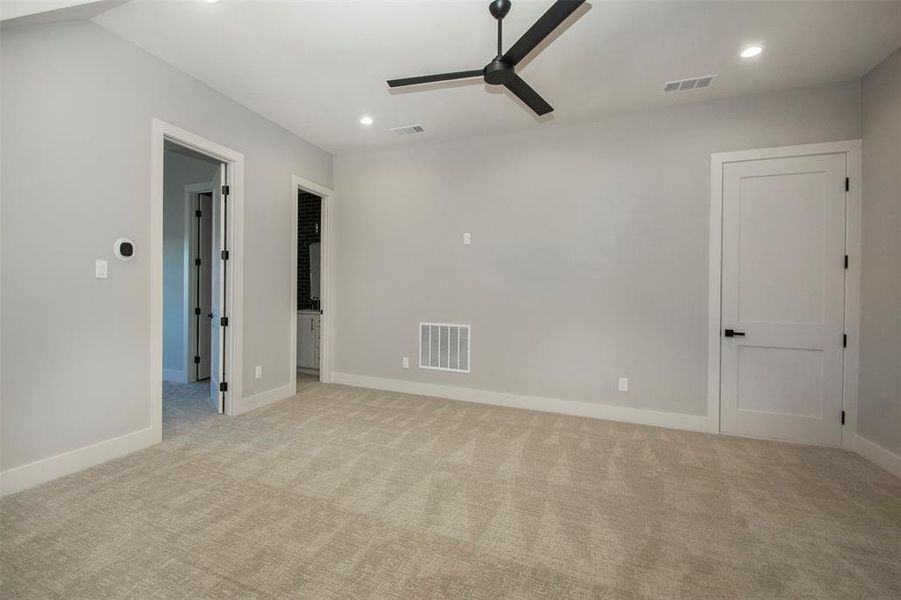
x=783, y=288
x=786, y=381
x=775, y=251
x=204, y=293
x=216, y=338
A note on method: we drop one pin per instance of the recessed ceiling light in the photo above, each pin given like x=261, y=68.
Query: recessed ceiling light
x=366, y=120
x=211, y=1
x=751, y=51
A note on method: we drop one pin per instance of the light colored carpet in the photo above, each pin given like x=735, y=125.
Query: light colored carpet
x=347, y=493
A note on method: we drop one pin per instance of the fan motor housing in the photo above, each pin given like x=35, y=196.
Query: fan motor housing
x=499, y=8
x=497, y=72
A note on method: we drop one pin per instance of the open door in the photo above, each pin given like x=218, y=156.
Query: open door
x=203, y=263
x=218, y=313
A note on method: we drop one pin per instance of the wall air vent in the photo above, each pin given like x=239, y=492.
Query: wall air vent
x=408, y=129
x=693, y=83
x=444, y=347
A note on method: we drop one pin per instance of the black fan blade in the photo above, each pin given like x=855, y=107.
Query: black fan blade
x=524, y=92
x=434, y=78
x=542, y=28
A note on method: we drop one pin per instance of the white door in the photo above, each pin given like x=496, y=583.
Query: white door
x=217, y=338
x=783, y=284
x=203, y=274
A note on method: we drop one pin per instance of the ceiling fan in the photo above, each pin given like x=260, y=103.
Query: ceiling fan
x=500, y=71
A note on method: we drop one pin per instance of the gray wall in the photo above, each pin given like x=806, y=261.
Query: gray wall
x=589, y=247
x=179, y=171
x=77, y=103
x=879, y=409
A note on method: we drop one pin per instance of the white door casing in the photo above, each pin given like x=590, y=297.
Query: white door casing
x=325, y=355
x=160, y=132
x=783, y=284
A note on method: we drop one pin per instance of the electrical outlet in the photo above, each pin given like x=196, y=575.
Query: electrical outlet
x=467, y=239
x=624, y=384
x=406, y=362
x=258, y=372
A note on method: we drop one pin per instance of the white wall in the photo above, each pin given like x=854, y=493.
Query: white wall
x=879, y=411
x=13, y=9
x=77, y=103
x=589, y=248
x=179, y=171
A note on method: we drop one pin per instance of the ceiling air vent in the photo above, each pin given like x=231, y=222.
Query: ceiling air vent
x=408, y=129
x=684, y=85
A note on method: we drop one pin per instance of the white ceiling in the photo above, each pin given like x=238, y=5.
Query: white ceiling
x=316, y=67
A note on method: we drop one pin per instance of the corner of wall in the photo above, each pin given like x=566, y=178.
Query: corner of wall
x=876, y=454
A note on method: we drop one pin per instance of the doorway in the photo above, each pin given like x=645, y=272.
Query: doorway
x=309, y=244
x=781, y=309
x=311, y=324
x=193, y=283
x=229, y=184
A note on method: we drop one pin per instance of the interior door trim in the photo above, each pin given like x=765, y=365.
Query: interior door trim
x=853, y=216
x=160, y=131
x=326, y=278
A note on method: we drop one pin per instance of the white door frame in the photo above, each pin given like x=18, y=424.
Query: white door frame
x=192, y=190
x=326, y=279
x=852, y=149
x=160, y=132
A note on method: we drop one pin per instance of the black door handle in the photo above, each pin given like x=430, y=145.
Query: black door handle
x=733, y=333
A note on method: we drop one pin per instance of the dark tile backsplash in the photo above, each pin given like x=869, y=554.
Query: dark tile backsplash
x=309, y=215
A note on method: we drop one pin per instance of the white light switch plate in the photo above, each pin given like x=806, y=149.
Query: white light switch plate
x=101, y=269
x=258, y=372
x=467, y=239
x=406, y=362
x=623, y=384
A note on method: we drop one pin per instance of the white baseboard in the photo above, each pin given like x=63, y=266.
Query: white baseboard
x=553, y=405
x=174, y=376
x=245, y=405
x=875, y=453
x=40, y=471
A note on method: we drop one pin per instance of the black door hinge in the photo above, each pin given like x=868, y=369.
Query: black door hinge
x=847, y=184
x=225, y=190
x=224, y=254
x=197, y=262
x=843, y=417
x=223, y=321
x=197, y=311
x=844, y=340
x=846, y=261
x=196, y=360
x=198, y=214
x=223, y=386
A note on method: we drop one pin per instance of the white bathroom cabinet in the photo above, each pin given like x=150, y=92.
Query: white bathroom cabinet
x=308, y=340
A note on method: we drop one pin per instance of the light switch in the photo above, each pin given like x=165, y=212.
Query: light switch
x=406, y=362
x=623, y=384
x=258, y=372
x=467, y=239
x=101, y=270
